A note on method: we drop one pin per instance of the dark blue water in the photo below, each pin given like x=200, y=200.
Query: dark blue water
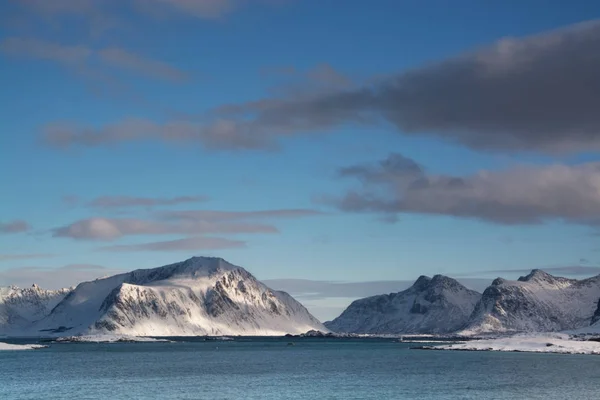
x=270, y=369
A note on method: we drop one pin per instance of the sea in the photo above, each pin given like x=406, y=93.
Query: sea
x=289, y=368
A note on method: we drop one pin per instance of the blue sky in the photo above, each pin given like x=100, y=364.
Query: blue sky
x=313, y=140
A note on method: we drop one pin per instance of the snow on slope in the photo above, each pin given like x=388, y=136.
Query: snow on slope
x=6, y=346
x=20, y=307
x=199, y=296
x=538, y=302
x=432, y=305
x=540, y=343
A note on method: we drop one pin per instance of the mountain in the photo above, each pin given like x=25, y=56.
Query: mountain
x=199, y=296
x=20, y=307
x=536, y=302
x=431, y=305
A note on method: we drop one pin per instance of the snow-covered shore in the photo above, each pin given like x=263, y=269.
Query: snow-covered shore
x=106, y=339
x=534, y=343
x=6, y=346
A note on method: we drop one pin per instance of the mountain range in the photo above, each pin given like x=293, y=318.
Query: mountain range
x=209, y=296
x=538, y=302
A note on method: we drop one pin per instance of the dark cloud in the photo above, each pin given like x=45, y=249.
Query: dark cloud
x=536, y=93
x=16, y=226
x=521, y=195
x=191, y=243
x=130, y=201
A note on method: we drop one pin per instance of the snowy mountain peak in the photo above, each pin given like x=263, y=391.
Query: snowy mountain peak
x=535, y=302
x=198, y=296
x=537, y=275
x=498, y=281
x=431, y=305
x=421, y=283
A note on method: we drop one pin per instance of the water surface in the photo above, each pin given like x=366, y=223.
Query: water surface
x=272, y=369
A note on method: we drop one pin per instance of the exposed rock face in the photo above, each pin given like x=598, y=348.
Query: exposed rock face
x=199, y=296
x=538, y=302
x=432, y=305
x=596, y=316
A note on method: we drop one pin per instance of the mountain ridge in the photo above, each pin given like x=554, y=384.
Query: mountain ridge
x=431, y=305
x=198, y=296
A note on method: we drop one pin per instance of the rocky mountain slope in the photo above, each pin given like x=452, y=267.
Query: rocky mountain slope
x=538, y=302
x=432, y=305
x=20, y=307
x=199, y=296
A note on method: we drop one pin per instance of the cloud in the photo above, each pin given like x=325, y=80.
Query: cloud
x=521, y=195
x=123, y=59
x=13, y=257
x=129, y=201
x=86, y=60
x=228, y=127
x=189, y=222
x=54, y=278
x=216, y=216
x=157, y=9
x=43, y=50
x=114, y=228
x=16, y=226
x=205, y=9
x=191, y=243
x=535, y=93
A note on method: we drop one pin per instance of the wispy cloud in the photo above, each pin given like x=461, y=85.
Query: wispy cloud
x=185, y=244
x=215, y=215
x=521, y=195
x=123, y=59
x=108, y=202
x=16, y=226
x=74, y=56
x=84, y=59
x=189, y=222
x=54, y=278
x=114, y=228
x=14, y=257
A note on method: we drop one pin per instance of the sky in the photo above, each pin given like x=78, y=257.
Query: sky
x=333, y=149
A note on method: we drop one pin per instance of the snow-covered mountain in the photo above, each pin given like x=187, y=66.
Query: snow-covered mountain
x=432, y=305
x=199, y=296
x=20, y=307
x=538, y=302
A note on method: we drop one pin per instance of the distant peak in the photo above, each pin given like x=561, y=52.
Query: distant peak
x=441, y=278
x=498, y=281
x=422, y=282
x=536, y=275
x=194, y=267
